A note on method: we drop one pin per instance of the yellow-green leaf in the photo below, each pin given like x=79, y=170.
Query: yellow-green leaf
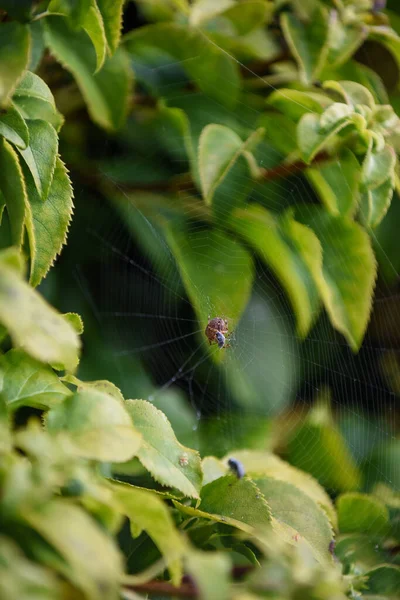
x=95, y=564
x=25, y=381
x=170, y=463
x=290, y=506
x=258, y=463
x=33, y=324
x=97, y=425
x=147, y=512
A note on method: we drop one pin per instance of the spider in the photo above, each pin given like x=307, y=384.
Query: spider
x=217, y=331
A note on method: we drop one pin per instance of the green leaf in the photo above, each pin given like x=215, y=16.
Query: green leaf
x=34, y=100
x=257, y=463
x=33, y=324
x=111, y=11
x=170, y=463
x=384, y=579
x=362, y=513
x=12, y=186
x=296, y=103
x=48, y=222
x=375, y=203
x=91, y=21
x=204, y=62
x=347, y=279
x=211, y=572
x=204, y=10
x=107, y=92
x=97, y=425
x=101, y=386
x=352, y=92
x=224, y=262
x=291, y=250
x=25, y=381
x=13, y=127
x=337, y=183
x=378, y=167
x=236, y=502
x=308, y=42
x=19, y=10
x=147, y=512
x=76, y=321
x=219, y=150
x=311, y=139
x=317, y=447
x=345, y=39
x=14, y=56
x=94, y=563
x=41, y=155
x=290, y=506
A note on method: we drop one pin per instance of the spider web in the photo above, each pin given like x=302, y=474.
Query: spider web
x=142, y=314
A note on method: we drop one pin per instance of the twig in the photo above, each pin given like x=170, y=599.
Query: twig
x=187, y=589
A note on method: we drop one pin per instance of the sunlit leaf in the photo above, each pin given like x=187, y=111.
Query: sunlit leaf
x=258, y=463
x=345, y=39
x=146, y=511
x=12, y=186
x=48, y=222
x=352, y=92
x=170, y=463
x=101, y=385
x=236, y=502
x=14, y=56
x=107, y=92
x=33, y=324
x=25, y=381
x=291, y=506
x=94, y=562
x=98, y=426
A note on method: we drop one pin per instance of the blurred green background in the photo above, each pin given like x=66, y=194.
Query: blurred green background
x=140, y=328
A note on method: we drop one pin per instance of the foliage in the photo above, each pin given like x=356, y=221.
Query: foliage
x=72, y=479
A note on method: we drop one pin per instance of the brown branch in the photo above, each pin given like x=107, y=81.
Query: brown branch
x=187, y=589
x=285, y=170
